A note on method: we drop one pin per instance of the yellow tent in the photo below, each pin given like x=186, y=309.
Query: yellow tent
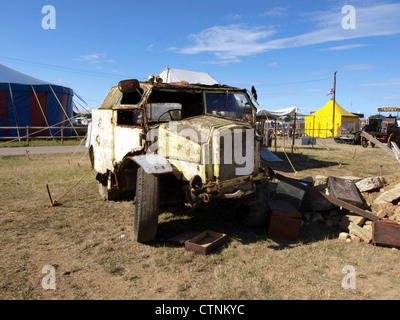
x=319, y=124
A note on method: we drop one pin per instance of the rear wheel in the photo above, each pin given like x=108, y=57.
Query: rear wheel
x=147, y=206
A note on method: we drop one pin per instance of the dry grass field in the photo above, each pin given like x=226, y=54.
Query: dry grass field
x=90, y=243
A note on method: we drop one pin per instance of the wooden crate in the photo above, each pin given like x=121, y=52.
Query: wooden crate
x=206, y=241
x=285, y=224
x=386, y=233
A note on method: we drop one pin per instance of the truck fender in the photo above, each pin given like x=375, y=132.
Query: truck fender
x=151, y=163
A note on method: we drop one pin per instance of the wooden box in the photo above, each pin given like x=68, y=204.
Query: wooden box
x=284, y=227
x=285, y=221
x=205, y=242
x=386, y=233
x=183, y=237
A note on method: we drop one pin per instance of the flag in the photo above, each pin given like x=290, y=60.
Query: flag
x=330, y=92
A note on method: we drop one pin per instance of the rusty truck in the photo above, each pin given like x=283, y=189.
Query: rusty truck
x=177, y=142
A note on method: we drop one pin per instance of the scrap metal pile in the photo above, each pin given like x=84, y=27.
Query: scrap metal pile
x=363, y=209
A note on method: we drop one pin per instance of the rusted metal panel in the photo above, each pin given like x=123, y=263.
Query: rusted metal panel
x=346, y=190
x=126, y=140
x=153, y=163
x=112, y=98
x=386, y=233
x=102, y=139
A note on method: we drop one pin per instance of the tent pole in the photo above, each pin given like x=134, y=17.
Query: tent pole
x=334, y=105
x=313, y=131
x=15, y=111
x=293, y=133
x=276, y=131
x=62, y=108
x=283, y=131
x=41, y=109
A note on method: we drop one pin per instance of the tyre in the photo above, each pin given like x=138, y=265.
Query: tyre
x=147, y=206
x=364, y=142
x=258, y=213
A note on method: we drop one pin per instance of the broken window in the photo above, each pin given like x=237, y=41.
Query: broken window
x=130, y=117
x=227, y=104
x=162, y=112
x=191, y=102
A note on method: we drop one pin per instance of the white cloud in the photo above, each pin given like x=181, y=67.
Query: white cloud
x=95, y=58
x=234, y=17
x=272, y=64
x=238, y=40
x=150, y=48
x=62, y=81
x=383, y=83
x=277, y=11
x=229, y=42
x=345, y=47
x=358, y=67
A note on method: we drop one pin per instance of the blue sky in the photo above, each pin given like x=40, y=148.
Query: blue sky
x=289, y=50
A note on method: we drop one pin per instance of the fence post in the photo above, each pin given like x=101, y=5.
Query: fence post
x=62, y=135
x=27, y=135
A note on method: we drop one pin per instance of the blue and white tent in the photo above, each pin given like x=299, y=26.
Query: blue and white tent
x=27, y=101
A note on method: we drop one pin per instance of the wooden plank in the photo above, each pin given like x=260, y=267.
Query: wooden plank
x=364, y=234
x=396, y=151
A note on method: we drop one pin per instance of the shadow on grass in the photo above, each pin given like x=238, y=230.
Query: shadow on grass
x=299, y=161
x=230, y=222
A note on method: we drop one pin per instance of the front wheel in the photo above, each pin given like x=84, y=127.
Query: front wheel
x=364, y=142
x=147, y=206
